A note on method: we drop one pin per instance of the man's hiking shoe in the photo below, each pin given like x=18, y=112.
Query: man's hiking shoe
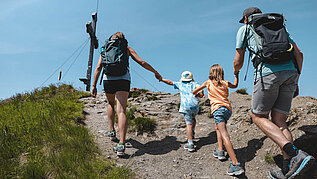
x=220, y=155
x=299, y=164
x=119, y=149
x=276, y=174
x=235, y=169
x=112, y=134
x=189, y=147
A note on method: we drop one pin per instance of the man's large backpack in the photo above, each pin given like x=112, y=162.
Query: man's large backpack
x=114, y=55
x=273, y=46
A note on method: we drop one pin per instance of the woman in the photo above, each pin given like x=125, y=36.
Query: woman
x=118, y=87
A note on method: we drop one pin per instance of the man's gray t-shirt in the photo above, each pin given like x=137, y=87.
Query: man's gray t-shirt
x=266, y=68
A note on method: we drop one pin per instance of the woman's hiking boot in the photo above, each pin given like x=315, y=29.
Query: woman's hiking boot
x=220, y=155
x=112, y=135
x=235, y=169
x=119, y=149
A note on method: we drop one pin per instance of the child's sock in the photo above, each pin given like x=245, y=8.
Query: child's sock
x=290, y=149
x=190, y=142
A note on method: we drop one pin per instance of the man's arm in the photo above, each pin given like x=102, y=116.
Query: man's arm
x=238, y=60
x=299, y=57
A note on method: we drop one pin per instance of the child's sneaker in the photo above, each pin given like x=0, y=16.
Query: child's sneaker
x=220, y=155
x=235, y=169
x=112, y=134
x=119, y=149
x=301, y=162
x=189, y=147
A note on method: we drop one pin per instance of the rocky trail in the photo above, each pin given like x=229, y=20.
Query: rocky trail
x=161, y=154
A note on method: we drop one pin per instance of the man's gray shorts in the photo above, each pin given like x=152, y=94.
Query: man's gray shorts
x=274, y=92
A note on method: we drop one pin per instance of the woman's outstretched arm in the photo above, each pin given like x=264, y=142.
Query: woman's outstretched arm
x=143, y=63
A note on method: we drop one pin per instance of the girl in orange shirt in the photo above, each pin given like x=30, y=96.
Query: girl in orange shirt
x=221, y=110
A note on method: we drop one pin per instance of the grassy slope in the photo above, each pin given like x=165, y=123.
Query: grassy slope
x=41, y=137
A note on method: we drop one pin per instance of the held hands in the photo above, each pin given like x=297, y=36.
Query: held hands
x=158, y=76
x=94, y=91
x=236, y=73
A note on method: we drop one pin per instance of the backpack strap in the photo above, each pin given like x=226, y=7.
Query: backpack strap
x=246, y=44
x=104, y=50
x=256, y=62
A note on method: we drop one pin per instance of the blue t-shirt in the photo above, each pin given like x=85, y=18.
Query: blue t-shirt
x=266, y=68
x=188, y=101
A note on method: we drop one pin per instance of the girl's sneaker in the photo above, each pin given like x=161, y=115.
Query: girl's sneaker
x=235, y=169
x=112, y=134
x=220, y=155
x=119, y=149
x=189, y=147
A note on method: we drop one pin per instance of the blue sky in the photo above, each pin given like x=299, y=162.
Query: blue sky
x=37, y=36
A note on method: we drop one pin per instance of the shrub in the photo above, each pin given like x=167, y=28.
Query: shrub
x=142, y=124
x=200, y=108
x=178, y=105
x=143, y=90
x=242, y=91
x=151, y=97
x=134, y=94
x=269, y=158
x=209, y=115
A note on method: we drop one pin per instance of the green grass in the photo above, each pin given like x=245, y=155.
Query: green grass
x=41, y=136
x=151, y=97
x=136, y=93
x=142, y=124
x=139, y=124
x=269, y=158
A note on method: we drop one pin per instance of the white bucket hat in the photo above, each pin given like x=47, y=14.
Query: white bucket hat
x=186, y=76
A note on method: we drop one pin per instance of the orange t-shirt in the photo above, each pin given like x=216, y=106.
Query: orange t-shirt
x=218, y=95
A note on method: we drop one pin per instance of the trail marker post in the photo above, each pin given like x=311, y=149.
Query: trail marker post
x=91, y=30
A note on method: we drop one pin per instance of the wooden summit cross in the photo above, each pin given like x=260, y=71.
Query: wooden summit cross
x=91, y=29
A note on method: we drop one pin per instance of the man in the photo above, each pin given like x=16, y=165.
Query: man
x=274, y=87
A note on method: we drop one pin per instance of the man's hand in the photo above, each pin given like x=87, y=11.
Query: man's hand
x=94, y=91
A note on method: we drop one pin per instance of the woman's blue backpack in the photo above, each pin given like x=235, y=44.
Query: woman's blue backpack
x=114, y=55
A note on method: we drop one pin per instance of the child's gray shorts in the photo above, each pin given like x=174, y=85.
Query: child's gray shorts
x=274, y=92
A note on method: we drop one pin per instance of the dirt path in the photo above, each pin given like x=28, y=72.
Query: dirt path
x=161, y=155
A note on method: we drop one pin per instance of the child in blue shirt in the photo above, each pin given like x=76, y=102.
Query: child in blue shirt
x=189, y=104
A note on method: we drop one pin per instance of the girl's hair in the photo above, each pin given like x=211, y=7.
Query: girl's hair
x=119, y=35
x=216, y=74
